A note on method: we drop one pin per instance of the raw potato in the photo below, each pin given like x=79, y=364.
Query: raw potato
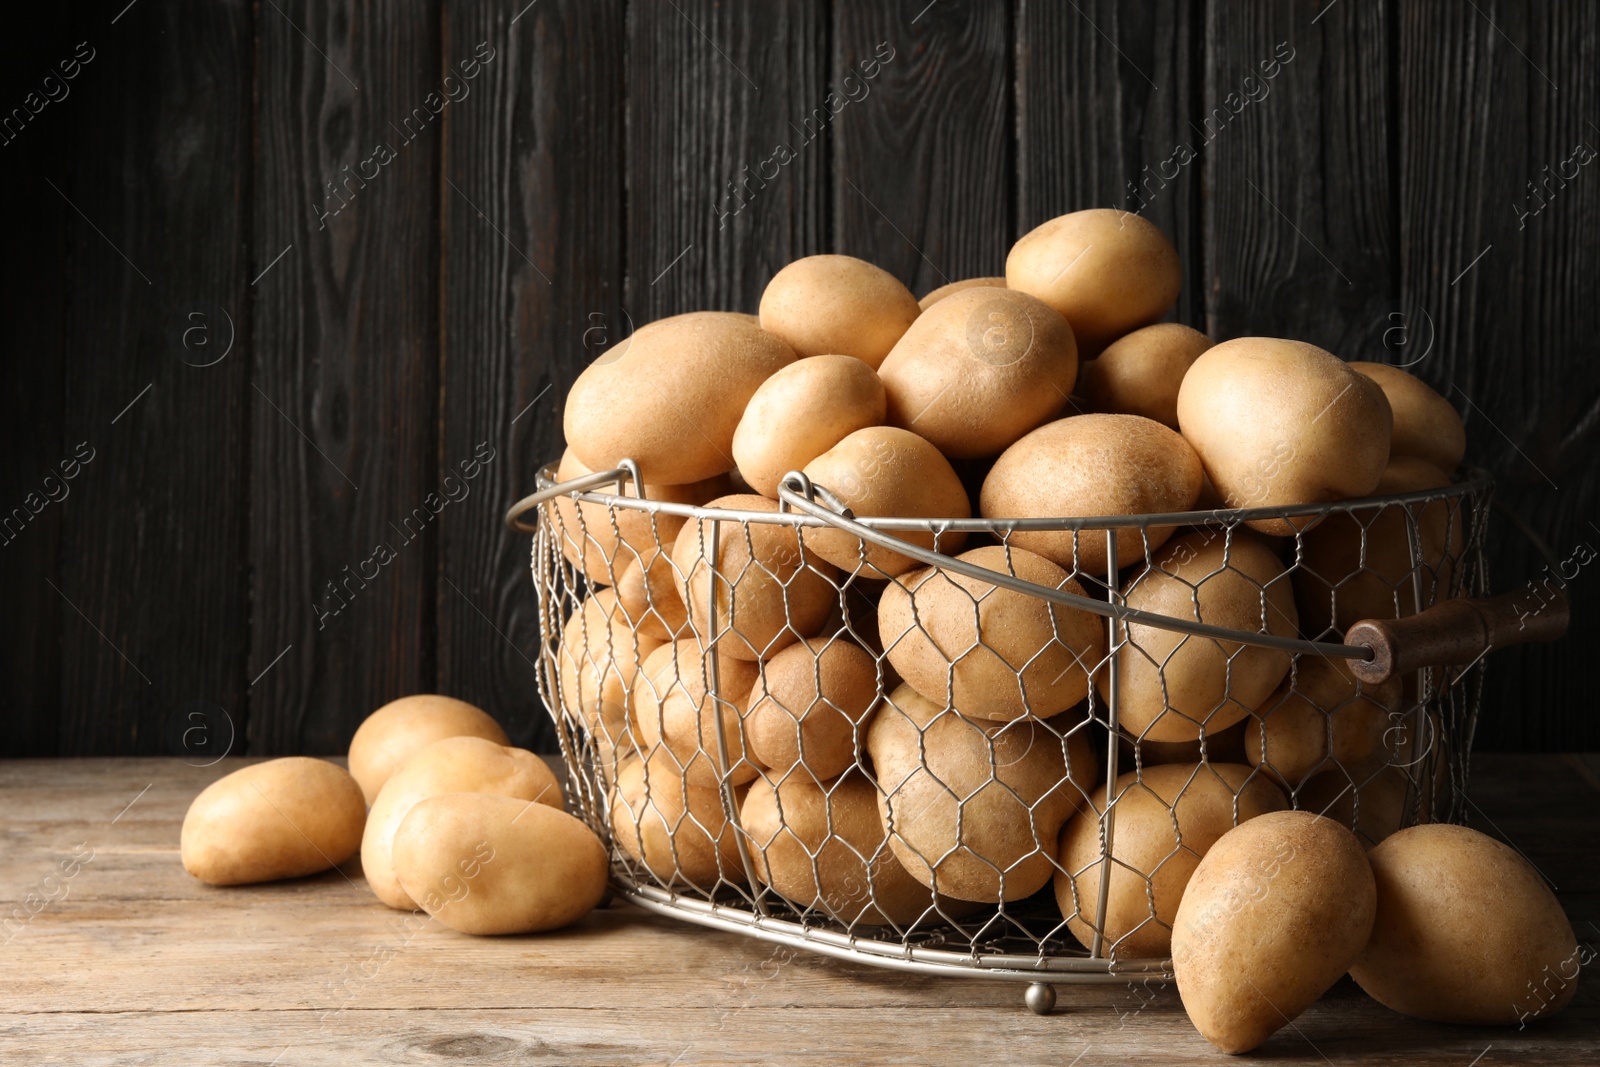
x=838, y=304
x=771, y=592
x=980, y=369
x=454, y=765
x=973, y=810
x=488, y=864
x=809, y=704
x=677, y=831
x=1139, y=374
x=1375, y=804
x=1466, y=932
x=998, y=654
x=670, y=396
x=1426, y=425
x=676, y=714
x=823, y=846
x=648, y=591
x=801, y=412
x=1109, y=272
x=284, y=818
x=402, y=728
x=1282, y=422
x=1093, y=465
x=1170, y=684
x=1321, y=713
x=955, y=287
x=1220, y=746
x=1166, y=819
x=599, y=658
x=1275, y=913
x=887, y=471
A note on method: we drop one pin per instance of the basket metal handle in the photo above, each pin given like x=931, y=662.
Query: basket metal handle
x=625, y=471
x=1456, y=632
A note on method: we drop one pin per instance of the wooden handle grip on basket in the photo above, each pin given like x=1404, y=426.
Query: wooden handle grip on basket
x=1456, y=632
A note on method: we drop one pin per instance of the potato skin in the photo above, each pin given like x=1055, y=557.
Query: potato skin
x=802, y=411
x=1272, y=917
x=1426, y=425
x=936, y=295
x=809, y=704
x=284, y=818
x=1466, y=931
x=597, y=662
x=677, y=831
x=677, y=719
x=1141, y=372
x=487, y=864
x=838, y=304
x=1289, y=737
x=402, y=728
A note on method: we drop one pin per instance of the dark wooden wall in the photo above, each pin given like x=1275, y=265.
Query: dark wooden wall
x=269, y=394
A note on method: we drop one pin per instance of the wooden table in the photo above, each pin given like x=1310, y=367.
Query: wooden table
x=137, y=963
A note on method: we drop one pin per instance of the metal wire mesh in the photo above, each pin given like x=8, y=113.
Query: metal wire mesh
x=782, y=728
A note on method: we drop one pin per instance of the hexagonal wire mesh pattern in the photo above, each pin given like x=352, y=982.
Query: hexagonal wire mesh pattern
x=914, y=770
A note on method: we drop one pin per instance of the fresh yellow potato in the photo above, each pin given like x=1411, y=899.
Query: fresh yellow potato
x=973, y=810
x=1321, y=713
x=1167, y=817
x=801, y=412
x=670, y=396
x=884, y=471
x=599, y=658
x=400, y=729
x=1093, y=465
x=1275, y=913
x=649, y=592
x=809, y=705
x=1170, y=684
x=948, y=288
x=1426, y=425
x=677, y=831
x=1109, y=272
x=676, y=713
x=980, y=369
x=1467, y=931
x=840, y=305
x=1139, y=374
x=992, y=652
x=280, y=819
x=1282, y=422
x=483, y=863
x=454, y=765
x=771, y=591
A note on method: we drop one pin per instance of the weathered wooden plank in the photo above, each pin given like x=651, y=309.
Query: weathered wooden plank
x=924, y=177
x=534, y=265
x=344, y=401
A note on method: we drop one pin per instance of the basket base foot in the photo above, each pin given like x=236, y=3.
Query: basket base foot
x=1040, y=998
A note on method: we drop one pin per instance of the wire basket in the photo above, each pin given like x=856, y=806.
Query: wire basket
x=744, y=734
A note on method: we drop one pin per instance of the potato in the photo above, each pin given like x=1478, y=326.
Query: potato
x=670, y=396
x=454, y=765
x=1171, y=684
x=1274, y=914
x=993, y=653
x=674, y=711
x=1374, y=804
x=610, y=540
x=482, y=863
x=1166, y=819
x=1093, y=465
x=770, y=591
x=971, y=810
x=839, y=305
x=599, y=658
x=1322, y=713
x=1466, y=932
x=809, y=704
x=955, y=287
x=801, y=412
x=980, y=369
x=648, y=593
x=280, y=819
x=1139, y=374
x=1109, y=272
x=677, y=831
x=1426, y=425
x=402, y=728
x=1282, y=422
x=1221, y=746
x=884, y=471
x=1338, y=583
x=823, y=846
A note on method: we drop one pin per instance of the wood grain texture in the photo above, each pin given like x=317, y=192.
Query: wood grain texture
x=534, y=263
x=1490, y=96
x=344, y=406
x=137, y=962
x=153, y=535
x=923, y=182
x=1106, y=93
